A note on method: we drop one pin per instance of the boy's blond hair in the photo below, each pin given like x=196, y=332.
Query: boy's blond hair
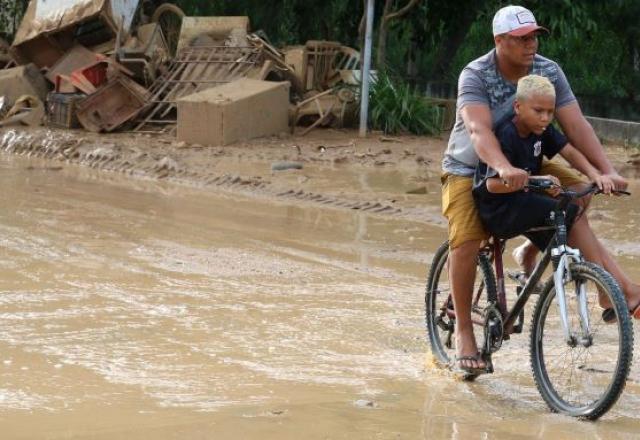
x=532, y=85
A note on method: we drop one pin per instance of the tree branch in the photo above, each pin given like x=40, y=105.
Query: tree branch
x=363, y=20
x=401, y=12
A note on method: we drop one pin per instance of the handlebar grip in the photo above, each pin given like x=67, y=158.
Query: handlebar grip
x=540, y=184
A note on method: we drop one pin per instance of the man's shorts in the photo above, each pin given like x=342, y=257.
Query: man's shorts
x=459, y=207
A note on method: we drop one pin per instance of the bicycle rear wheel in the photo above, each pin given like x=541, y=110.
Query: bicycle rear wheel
x=585, y=377
x=439, y=317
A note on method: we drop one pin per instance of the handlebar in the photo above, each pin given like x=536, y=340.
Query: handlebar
x=545, y=184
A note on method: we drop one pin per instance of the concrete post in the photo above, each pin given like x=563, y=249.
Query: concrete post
x=366, y=71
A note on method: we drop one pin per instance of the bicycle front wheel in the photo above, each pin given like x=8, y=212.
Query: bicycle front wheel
x=582, y=377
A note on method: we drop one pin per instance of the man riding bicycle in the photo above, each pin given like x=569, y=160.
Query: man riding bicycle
x=486, y=90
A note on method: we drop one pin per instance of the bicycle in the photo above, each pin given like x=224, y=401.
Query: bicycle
x=580, y=364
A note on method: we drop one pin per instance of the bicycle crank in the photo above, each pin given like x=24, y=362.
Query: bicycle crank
x=493, y=329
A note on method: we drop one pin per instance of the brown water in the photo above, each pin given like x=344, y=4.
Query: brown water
x=134, y=310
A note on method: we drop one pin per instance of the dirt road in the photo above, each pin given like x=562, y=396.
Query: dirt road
x=166, y=306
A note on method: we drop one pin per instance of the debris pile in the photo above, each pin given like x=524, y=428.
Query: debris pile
x=107, y=65
x=6, y=60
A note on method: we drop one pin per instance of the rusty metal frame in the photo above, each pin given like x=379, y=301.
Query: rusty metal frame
x=195, y=69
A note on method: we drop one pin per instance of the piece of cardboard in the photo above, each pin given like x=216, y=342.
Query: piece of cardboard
x=76, y=58
x=49, y=28
x=241, y=110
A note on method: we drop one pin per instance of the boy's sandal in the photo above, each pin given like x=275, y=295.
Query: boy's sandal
x=521, y=278
x=609, y=316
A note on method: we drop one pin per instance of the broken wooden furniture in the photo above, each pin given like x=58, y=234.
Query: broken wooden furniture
x=195, y=69
x=112, y=105
x=168, y=17
x=145, y=53
x=325, y=61
x=61, y=109
x=330, y=107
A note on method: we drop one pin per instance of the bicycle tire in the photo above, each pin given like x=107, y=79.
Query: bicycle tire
x=433, y=301
x=548, y=390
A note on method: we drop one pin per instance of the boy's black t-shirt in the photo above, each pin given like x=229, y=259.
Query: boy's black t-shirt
x=508, y=215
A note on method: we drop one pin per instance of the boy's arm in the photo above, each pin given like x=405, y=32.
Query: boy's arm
x=477, y=120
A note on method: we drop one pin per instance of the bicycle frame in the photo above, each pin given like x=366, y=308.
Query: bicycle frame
x=562, y=256
x=565, y=256
x=510, y=316
x=560, y=253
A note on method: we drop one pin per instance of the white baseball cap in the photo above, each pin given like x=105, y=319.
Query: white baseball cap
x=516, y=21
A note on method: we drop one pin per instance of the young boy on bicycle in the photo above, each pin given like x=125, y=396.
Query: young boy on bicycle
x=524, y=139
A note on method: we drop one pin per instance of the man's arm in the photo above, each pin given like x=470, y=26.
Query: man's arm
x=580, y=162
x=477, y=120
x=580, y=133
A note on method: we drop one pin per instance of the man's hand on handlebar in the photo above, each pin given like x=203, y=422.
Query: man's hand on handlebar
x=514, y=178
x=619, y=182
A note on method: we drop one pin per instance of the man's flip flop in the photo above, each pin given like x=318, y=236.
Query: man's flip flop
x=609, y=316
x=476, y=371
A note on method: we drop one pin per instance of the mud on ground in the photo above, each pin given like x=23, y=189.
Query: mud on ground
x=395, y=176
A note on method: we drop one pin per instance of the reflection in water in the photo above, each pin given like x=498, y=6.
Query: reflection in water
x=128, y=312
x=361, y=235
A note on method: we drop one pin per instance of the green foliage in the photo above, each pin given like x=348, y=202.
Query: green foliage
x=397, y=108
x=289, y=21
x=596, y=43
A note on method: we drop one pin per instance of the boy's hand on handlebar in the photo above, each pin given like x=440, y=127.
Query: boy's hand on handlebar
x=514, y=178
x=605, y=183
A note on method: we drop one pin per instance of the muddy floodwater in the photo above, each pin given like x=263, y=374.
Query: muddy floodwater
x=140, y=310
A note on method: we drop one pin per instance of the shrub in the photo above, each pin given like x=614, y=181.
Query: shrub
x=395, y=107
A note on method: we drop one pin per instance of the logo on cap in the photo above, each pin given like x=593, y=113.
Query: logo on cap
x=515, y=20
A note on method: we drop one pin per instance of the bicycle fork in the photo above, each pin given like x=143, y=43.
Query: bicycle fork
x=566, y=256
